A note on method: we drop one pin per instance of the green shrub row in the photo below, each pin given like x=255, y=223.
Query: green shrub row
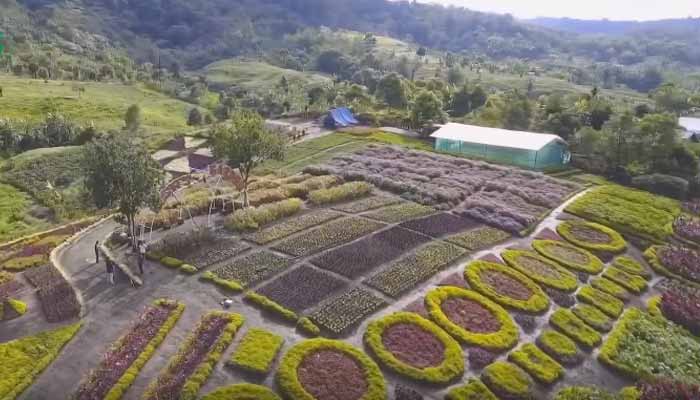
x=337, y=194
x=611, y=288
x=474, y=389
x=634, y=283
x=479, y=238
x=253, y=218
x=564, y=254
x=508, y=380
x=226, y=284
x=609, y=304
x=593, y=317
x=557, y=276
x=17, y=308
x=537, y=363
x=307, y=326
x=257, y=351
x=242, y=391
x=631, y=266
x=266, y=304
x=615, y=244
x=566, y=321
x=584, y=393
x=23, y=263
x=654, y=306
x=560, y=347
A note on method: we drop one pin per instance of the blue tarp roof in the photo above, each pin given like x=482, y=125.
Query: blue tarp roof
x=342, y=116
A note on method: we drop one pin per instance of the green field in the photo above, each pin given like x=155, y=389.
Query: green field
x=15, y=220
x=256, y=76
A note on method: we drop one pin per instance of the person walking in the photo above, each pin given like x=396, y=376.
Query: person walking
x=97, y=252
x=142, y=255
x=110, y=271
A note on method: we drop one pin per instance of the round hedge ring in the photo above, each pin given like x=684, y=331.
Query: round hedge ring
x=453, y=308
x=242, y=391
x=569, y=256
x=506, y=286
x=320, y=369
x=592, y=236
x=541, y=269
x=421, y=349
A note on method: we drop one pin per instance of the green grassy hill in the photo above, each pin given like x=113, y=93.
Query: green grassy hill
x=256, y=76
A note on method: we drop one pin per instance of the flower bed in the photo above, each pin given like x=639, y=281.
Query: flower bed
x=439, y=225
x=585, y=393
x=301, y=288
x=634, y=283
x=560, y=298
x=660, y=389
x=683, y=308
x=257, y=351
x=345, y=192
x=344, y=311
x=59, y=301
x=187, y=371
x=611, y=288
x=479, y=238
x=401, y=212
x=569, y=256
x=560, y=347
x=592, y=236
x=507, y=380
x=22, y=360
x=675, y=262
x=480, y=358
x=292, y=226
x=688, y=228
x=322, y=369
x=355, y=259
x=213, y=253
x=271, y=306
x=415, y=347
x=123, y=361
x=607, y=303
x=541, y=269
x=20, y=264
x=642, y=346
x=473, y=390
x=330, y=234
x=242, y=391
x=411, y=270
x=592, y=316
x=631, y=266
x=370, y=203
x=251, y=269
x=253, y=218
x=537, y=363
x=472, y=318
x=506, y=286
x=566, y=321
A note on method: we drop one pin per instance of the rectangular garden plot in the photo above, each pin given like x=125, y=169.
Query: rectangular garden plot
x=400, y=212
x=220, y=250
x=439, y=225
x=292, y=226
x=479, y=238
x=257, y=351
x=367, y=204
x=328, y=235
x=341, y=313
x=415, y=268
x=353, y=260
x=301, y=288
x=253, y=268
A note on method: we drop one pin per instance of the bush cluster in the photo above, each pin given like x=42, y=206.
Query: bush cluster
x=567, y=322
x=537, y=363
x=560, y=347
x=592, y=236
x=474, y=389
x=569, y=256
x=607, y=303
x=507, y=380
x=253, y=218
x=257, y=351
x=337, y=194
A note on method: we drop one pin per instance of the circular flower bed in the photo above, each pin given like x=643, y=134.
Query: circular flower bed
x=675, y=261
x=541, y=269
x=592, y=236
x=472, y=318
x=242, y=391
x=569, y=256
x=506, y=286
x=323, y=369
x=415, y=347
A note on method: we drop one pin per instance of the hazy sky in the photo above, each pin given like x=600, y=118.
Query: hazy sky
x=586, y=9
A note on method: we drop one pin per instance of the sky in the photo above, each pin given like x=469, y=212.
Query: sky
x=643, y=10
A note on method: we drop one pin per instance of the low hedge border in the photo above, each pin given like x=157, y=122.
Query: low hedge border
x=608, y=304
x=537, y=302
x=119, y=388
x=611, y=288
x=630, y=393
x=634, y=283
x=631, y=266
x=451, y=367
x=473, y=390
x=257, y=351
x=594, y=317
x=242, y=391
x=653, y=260
x=654, y=306
x=584, y=393
x=609, y=350
x=567, y=281
x=559, y=347
x=226, y=284
x=288, y=379
x=17, y=309
x=507, y=380
x=268, y=305
x=307, y=326
x=537, y=363
x=505, y=338
x=593, y=266
x=172, y=262
x=345, y=192
x=616, y=244
x=572, y=326
x=20, y=264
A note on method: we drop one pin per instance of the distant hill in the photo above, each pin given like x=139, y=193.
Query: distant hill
x=673, y=27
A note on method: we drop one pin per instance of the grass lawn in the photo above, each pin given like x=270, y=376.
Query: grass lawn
x=256, y=76
x=14, y=218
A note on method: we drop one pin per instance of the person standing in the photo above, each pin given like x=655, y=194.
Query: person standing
x=97, y=252
x=110, y=271
x=142, y=255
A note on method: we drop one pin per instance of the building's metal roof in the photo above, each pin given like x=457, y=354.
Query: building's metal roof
x=495, y=137
x=691, y=125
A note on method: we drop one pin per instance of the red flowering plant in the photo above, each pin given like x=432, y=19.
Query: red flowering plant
x=688, y=228
x=682, y=261
x=683, y=308
x=666, y=389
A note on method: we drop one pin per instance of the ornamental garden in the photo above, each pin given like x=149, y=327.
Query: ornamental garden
x=382, y=274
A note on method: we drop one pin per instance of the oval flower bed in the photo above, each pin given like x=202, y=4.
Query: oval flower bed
x=675, y=262
x=508, y=381
x=506, y=286
x=472, y=318
x=537, y=363
x=415, y=347
x=631, y=266
x=323, y=369
x=592, y=236
x=682, y=307
x=569, y=256
x=541, y=269
x=560, y=347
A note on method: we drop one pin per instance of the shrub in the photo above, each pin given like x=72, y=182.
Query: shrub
x=584, y=393
x=611, y=288
x=473, y=390
x=242, y=391
x=661, y=389
x=541, y=269
x=269, y=305
x=22, y=263
x=566, y=321
x=452, y=364
x=633, y=283
x=188, y=269
x=337, y=194
x=508, y=380
x=307, y=326
x=559, y=347
x=605, y=302
x=631, y=266
x=230, y=285
x=19, y=307
x=504, y=338
x=253, y=218
x=593, y=317
x=592, y=236
x=171, y=262
x=533, y=360
x=479, y=238
x=569, y=256
x=666, y=185
x=682, y=308
x=257, y=351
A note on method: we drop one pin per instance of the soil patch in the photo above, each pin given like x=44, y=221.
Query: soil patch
x=470, y=315
x=590, y=235
x=332, y=375
x=569, y=254
x=506, y=285
x=538, y=267
x=413, y=345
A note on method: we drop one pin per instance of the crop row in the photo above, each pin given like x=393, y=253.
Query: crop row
x=439, y=225
x=251, y=269
x=400, y=212
x=344, y=311
x=301, y=288
x=292, y=226
x=370, y=203
x=479, y=238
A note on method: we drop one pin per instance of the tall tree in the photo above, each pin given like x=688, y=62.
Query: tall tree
x=392, y=91
x=427, y=108
x=132, y=118
x=245, y=144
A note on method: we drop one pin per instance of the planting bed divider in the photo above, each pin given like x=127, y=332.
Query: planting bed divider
x=367, y=204
x=611, y=288
x=125, y=358
x=631, y=266
x=257, y=351
x=187, y=371
x=400, y=212
x=507, y=380
x=541, y=269
x=301, y=288
x=592, y=316
x=569, y=256
x=293, y=225
x=474, y=389
x=346, y=310
x=479, y=238
x=440, y=225
x=251, y=269
x=634, y=283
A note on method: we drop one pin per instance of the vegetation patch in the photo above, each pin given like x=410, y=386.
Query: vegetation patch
x=271, y=306
x=631, y=266
x=593, y=317
x=560, y=347
x=301, y=288
x=253, y=218
x=345, y=192
x=292, y=226
x=370, y=203
x=675, y=262
x=322, y=369
x=415, y=347
x=506, y=286
x=560, y=298
x=220, y=250
x=611, y=288
x=633, y=283
x=642, y=346
x=401, y=212
x=257, y=351
x=123, y=361
x=474, y=389
x=11, y=308
x=537, y=363
x=411, y=270
x=472, y=318
x=441, y=224
x=57, y=297
x=566, y=321
x=682, y=307
x=328, y=235
x=569, y=256
x=307, y=326
x=249, y=270
x=344, y=311
x=541, y=269
x=479, y=238
x=242, y=391
x=584, y=393
x=607, y=303
x=659, y=389
x=507, y=380
x=592, y=236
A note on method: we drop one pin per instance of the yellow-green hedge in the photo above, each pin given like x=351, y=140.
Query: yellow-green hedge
x=253, y=218
x=616, y=244
x=229, y=285
x=634, y=283
x=473, y=390
x=567, y=281
x=609, y=304
x=611, y=288
x=505, y=338
x=23, y=263
x=271, y=306
x=592, y=316
x=171, y=262
x=537, y=363
x=575, y=328
x=593, y=266
x=631, y=266
x=508, y=380
x=560, y=347
x=242, y=391
x=257, y=351
x=537, y=302
x=451, y=367
x=344, y=192
x=307, y=326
